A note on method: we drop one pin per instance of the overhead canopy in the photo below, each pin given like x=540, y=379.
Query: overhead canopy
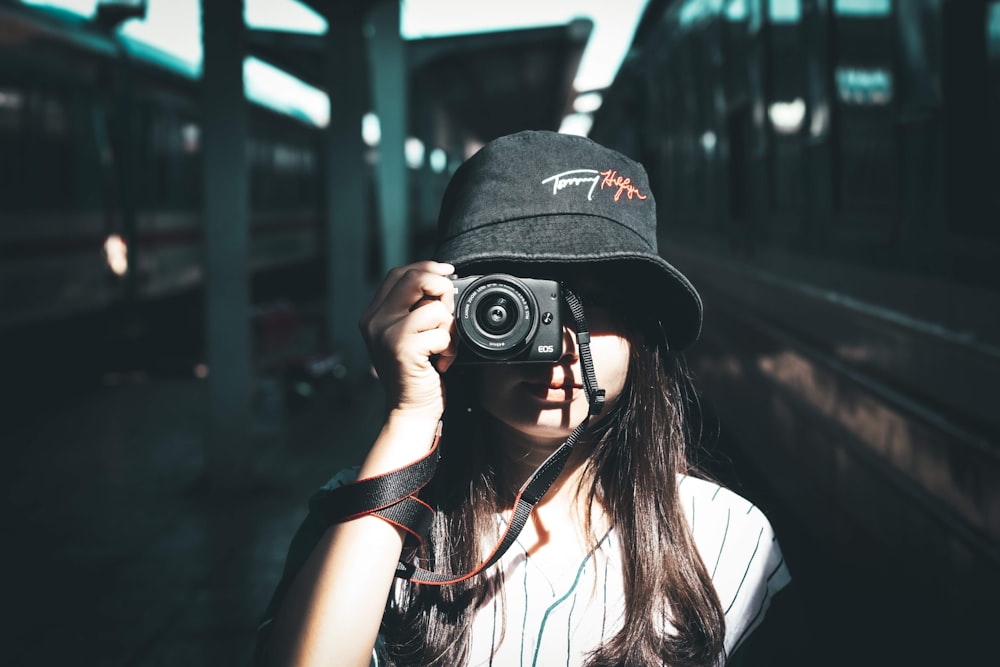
x=497, y=83
x=489, y=84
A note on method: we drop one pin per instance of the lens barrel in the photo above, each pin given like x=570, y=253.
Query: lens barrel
x=497, y=315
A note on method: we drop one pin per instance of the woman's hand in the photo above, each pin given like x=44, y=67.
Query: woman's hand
x=408, y=329
x=333, y=609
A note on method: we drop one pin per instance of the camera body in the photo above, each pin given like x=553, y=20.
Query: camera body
x=505, y=319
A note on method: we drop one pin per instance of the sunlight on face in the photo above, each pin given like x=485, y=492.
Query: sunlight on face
x=547, y=401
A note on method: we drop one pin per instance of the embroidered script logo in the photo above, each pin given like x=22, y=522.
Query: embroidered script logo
x=611, y=180
x=623, y=183
x=568, y=178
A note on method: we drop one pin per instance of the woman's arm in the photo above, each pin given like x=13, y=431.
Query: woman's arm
x=333, y=608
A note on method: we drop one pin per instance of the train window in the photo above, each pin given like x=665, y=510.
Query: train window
x=785, y=108
x=736, y=46
x=11, y=103
x=787, y=183
x=817, y=64
x=52, y=114
x=863, y=7
x=51, y=151
x=736, y=11
x=865, y=150
x=919, y=58
x=12, y=110
x=755, y=16
x=785, y=11
x=49, y=134
x=170, y=178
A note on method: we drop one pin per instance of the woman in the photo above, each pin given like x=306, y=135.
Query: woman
x=629, y=557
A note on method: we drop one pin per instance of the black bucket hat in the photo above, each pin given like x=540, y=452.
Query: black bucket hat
x=539, y=200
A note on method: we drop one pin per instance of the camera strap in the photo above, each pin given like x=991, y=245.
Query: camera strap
x=393, y=496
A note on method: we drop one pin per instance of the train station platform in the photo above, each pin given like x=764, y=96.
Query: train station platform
x=117, y=553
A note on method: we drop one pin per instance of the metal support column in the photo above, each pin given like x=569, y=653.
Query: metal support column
x=346, y=185
x=226, y=225
x=389, y=75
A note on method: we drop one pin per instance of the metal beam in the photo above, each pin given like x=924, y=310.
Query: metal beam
x=389, y=83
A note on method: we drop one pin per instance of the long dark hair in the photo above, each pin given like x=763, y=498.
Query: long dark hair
x=638, y=450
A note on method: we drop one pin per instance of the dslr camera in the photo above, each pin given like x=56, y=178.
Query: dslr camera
x=505, y=319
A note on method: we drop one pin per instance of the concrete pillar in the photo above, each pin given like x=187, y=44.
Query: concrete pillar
x=226, y=228
x=345, y=186
x=389, y=78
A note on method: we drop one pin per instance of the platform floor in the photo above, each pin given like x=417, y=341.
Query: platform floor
x=116, y=553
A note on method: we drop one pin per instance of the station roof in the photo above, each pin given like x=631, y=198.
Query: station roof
x=490, y=83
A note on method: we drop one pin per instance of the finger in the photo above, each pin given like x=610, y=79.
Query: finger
x=396, y=274
x=400, y=289
x=431, y=315
x=423, y=347
x=398, y=338
x=443, y=362
x=415, y=288
x=446, y=357
x=388, y=282
x=427, y=344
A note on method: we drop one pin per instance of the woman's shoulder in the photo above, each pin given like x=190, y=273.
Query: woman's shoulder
x=711, y=500
x=726, y=526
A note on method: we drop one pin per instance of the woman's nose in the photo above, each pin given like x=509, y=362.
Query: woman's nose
x=570, y=351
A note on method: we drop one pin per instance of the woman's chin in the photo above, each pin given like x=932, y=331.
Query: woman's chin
x=552, y=420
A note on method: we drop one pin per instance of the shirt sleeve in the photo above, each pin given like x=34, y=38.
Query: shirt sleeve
x=740, y=551
x=764, y=574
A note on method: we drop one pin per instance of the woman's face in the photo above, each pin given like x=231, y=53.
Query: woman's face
x=545, y=402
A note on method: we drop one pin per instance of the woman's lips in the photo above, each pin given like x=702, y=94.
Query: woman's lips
x=552, y=391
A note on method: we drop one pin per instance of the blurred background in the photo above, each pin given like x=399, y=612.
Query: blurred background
x=197, y=199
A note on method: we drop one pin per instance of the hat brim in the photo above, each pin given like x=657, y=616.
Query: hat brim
x=548, y=242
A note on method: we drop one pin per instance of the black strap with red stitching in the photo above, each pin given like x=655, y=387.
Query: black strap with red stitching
x=393, y=496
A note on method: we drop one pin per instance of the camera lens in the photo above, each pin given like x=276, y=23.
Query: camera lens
x=498, y=315
x=495, y=314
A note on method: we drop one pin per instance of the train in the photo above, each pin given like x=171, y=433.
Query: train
x=826, y=173
x=101, y=183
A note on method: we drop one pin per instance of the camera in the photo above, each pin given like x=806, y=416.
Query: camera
x=505, y=319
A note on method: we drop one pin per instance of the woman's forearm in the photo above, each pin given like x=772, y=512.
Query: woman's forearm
x=333, y=610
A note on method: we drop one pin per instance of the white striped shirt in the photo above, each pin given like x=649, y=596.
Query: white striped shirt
x=559, y=622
